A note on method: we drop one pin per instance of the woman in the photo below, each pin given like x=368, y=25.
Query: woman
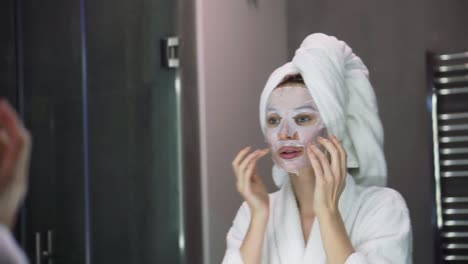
x=319, y=116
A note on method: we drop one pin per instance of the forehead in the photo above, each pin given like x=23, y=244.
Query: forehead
x=290, y=97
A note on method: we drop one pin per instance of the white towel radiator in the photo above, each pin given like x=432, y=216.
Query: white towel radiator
x=448, y=104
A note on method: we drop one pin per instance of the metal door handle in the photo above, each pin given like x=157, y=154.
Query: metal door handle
x=38, y=248
x=49, y=252
x=46, y=254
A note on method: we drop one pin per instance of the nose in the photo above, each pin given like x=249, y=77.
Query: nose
x=286, y=132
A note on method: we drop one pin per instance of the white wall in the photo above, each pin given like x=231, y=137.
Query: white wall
x=238, y=46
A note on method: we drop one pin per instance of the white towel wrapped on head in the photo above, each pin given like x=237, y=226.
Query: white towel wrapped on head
x=338, y=81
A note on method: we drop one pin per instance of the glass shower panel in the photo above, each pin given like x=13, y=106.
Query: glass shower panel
x=133, y=134
x=50, y=55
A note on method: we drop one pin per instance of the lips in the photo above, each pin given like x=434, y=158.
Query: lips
x=290, y=152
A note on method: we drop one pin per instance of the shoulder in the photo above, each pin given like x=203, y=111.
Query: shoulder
x=375, y=198
x=382, y=211
x=10, y=252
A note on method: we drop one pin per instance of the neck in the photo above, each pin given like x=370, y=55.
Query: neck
x=303, y=186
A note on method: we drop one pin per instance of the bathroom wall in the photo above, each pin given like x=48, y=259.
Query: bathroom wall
x=238, y=45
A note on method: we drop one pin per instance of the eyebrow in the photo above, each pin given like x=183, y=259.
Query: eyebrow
x=304, y=107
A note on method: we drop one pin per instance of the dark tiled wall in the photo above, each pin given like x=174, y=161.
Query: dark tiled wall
x=51, y=59
x=7, y=50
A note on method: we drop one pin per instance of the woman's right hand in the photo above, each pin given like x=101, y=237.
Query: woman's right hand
x=15, y=149
x=249, y=183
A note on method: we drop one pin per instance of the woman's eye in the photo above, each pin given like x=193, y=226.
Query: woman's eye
x=273, y=120
x=303, y=119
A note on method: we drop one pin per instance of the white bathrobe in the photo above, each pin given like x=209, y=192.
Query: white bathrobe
x=376, y=219
x=10, y=253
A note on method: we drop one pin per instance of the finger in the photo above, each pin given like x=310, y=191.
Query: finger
x=12, y=141
x=327, y=174
x=263, y=152
x=334, y=155
x=255, y=176
x=314, y=161
x=16, y=134
x=241, y=170
x=235, y=164
x=249, y=170
x=248, y=175
x=258, y=155
x=246, y=188
x=4, y=141
x=3, y=137
x=343, y=155
x=240, y=156
x=4, y=147
x=11, y=156
x=10, y=121
x=247, y=160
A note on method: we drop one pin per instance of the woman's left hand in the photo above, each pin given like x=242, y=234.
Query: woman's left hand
x=330, y=175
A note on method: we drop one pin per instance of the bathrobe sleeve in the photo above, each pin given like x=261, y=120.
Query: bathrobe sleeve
x=10, y=252
x=236, y=235
x=385, y=235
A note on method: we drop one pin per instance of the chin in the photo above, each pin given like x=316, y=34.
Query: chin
x=291, y=169
x=297, y=169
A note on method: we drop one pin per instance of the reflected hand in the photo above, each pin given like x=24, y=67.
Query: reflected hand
x=15, y=148
x=249, y=183
x=330, y=175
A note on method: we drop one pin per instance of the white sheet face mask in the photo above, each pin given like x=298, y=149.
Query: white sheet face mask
x=292, y=123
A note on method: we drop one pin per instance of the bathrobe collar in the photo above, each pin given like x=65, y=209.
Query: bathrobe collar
x=287, y=226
